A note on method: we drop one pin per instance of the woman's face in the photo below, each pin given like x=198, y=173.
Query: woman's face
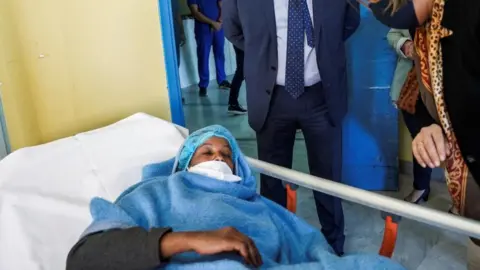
x=214, y=148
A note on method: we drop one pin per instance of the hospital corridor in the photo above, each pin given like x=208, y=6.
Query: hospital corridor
x=157, y=134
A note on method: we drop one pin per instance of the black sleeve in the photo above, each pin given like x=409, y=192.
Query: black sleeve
x=470, y=45
x=403, y=18
x=232, y=25
x=422, y=114
x=127, y=249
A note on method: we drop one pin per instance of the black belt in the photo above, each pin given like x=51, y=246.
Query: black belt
x=307, y=88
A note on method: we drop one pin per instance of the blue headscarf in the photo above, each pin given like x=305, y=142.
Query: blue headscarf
x=199, y=137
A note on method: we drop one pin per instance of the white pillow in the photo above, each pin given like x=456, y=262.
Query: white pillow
x=45, y=190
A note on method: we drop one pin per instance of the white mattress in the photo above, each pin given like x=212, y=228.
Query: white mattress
x=45, y=190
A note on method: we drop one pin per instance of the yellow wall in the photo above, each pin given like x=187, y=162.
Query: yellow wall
x=17, y=101
x=70, y=66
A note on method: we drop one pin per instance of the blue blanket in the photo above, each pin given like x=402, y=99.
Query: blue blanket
x=190, y=202
x=185, y=202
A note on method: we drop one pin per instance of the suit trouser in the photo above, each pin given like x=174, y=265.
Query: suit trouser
x=206, y=39
x=323, y=141
x=237, y=78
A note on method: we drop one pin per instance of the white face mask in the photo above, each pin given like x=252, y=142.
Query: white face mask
x=215, y=169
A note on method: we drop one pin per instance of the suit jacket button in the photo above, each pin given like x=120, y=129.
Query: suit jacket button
x=470, y=159
x=268, y=92
x=274, y=68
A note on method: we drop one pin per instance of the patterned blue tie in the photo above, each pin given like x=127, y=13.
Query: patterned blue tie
x=299, y=25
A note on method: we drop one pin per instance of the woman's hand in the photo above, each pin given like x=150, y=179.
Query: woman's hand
x=211, y=242
x=408, y=49
x=430, y=147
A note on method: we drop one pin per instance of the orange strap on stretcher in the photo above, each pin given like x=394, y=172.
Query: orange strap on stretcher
x=291, y=200
x=389, y=237
x=389, y=234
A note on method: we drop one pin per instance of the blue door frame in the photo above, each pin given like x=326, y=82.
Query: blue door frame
x=171, y=65
x=4, y=142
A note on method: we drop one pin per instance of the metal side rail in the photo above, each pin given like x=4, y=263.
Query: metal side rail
x=384, y=203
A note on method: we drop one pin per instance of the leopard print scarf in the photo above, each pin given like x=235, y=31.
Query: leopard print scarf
x=429, y=51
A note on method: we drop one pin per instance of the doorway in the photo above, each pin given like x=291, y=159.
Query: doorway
x=183, y=76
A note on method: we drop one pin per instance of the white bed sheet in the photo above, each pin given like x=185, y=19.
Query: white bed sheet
x=45, y=190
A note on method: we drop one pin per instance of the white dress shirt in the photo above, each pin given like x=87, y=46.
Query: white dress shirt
x=312, y=74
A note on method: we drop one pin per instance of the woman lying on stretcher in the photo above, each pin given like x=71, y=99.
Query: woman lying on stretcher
x=201, y=211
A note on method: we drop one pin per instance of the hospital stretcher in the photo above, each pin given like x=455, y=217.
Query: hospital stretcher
x=45, y=190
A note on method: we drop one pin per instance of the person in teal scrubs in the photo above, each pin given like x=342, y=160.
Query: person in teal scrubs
x=208, y=34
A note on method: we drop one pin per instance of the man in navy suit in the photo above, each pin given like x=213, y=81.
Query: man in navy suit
x=295, y=73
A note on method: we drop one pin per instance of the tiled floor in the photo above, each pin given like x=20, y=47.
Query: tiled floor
x=419, y=246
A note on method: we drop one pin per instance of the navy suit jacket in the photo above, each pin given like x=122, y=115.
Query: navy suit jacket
x=250, y=25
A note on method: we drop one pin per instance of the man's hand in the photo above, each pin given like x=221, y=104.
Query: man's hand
x=430, y=147
x=408, y=49
x=211, y=242
x=217, y=26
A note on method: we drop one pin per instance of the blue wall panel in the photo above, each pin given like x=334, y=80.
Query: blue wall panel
x=370, y=136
